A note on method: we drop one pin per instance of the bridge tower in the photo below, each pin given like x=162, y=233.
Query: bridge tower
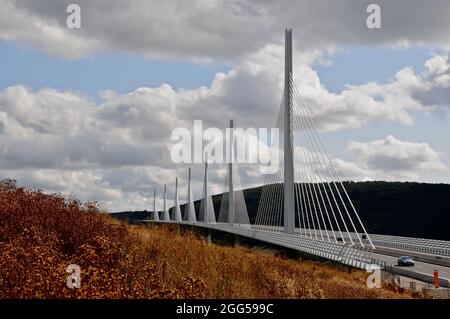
x=205, y=191
x=176, y=210
x=230, y=177
x=206, y=214
x=289, y=214
x=166, y=212
x=190, y=209
x=155, y=212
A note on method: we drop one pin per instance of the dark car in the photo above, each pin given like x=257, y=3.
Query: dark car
x=405, y=261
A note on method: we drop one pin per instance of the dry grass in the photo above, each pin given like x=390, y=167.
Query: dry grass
x=40, y=235
x=241, y=272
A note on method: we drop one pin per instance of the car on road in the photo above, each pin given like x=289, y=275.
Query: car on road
x=405, y=261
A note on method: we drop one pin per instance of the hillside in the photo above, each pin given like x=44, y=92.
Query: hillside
x=41, y=234
x=390, y=208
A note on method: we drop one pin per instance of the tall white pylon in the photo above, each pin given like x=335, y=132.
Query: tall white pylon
x=155, y=212
x=166, y=212
x=206, y=214
x=289, y=214
x=190, y=209
x=176, y=210
x=230, y=181
x=205, y=194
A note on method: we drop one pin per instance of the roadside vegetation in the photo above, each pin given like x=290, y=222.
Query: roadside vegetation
x=41, y=234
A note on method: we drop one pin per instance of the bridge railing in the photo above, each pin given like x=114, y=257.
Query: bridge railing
x=430, y=246
x=443, y=282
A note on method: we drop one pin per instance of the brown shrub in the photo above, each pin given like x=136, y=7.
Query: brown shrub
x=41, y=234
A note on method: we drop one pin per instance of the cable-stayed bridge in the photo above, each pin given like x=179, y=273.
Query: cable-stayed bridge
x=304, y=205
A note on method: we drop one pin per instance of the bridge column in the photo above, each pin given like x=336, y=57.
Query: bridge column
x=230, y=178
x=166, y=212
x=190, y=205
x=155, y=213
x=207, y=214
x=176, y=210
x=289, y=214
x=205, y=191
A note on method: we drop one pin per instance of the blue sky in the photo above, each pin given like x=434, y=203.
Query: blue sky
x=380, y=65
x=121, y=72
x=361, y=64
x=124, y=72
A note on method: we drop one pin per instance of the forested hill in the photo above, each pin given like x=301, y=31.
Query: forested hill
x=392, y=208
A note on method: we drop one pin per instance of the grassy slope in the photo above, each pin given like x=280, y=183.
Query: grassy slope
x=40, y=235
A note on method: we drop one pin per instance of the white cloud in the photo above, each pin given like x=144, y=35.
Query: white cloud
x=118, y=149
x=352, y=171
x=21, y=23
x=393, y=158
x=434, y=90
x=212, y=29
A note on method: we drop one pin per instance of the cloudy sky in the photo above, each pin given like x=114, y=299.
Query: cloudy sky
x=89, y=112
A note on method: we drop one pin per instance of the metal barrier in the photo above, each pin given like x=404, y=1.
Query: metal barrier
x=431, y=246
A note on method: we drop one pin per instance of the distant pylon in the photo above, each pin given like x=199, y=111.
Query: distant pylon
x=230, y=181
x=190, y=209
x=206, y=214
x=233, y=210
x=155, y=212
x=166, y=212
x=176, y=210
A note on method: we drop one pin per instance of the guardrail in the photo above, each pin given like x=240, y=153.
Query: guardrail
x=443, y=282
x=430, y=246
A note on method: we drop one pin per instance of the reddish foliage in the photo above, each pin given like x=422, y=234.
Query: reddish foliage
x=41, y=234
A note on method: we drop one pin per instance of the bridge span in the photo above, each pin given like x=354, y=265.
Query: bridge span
x=304, y=204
